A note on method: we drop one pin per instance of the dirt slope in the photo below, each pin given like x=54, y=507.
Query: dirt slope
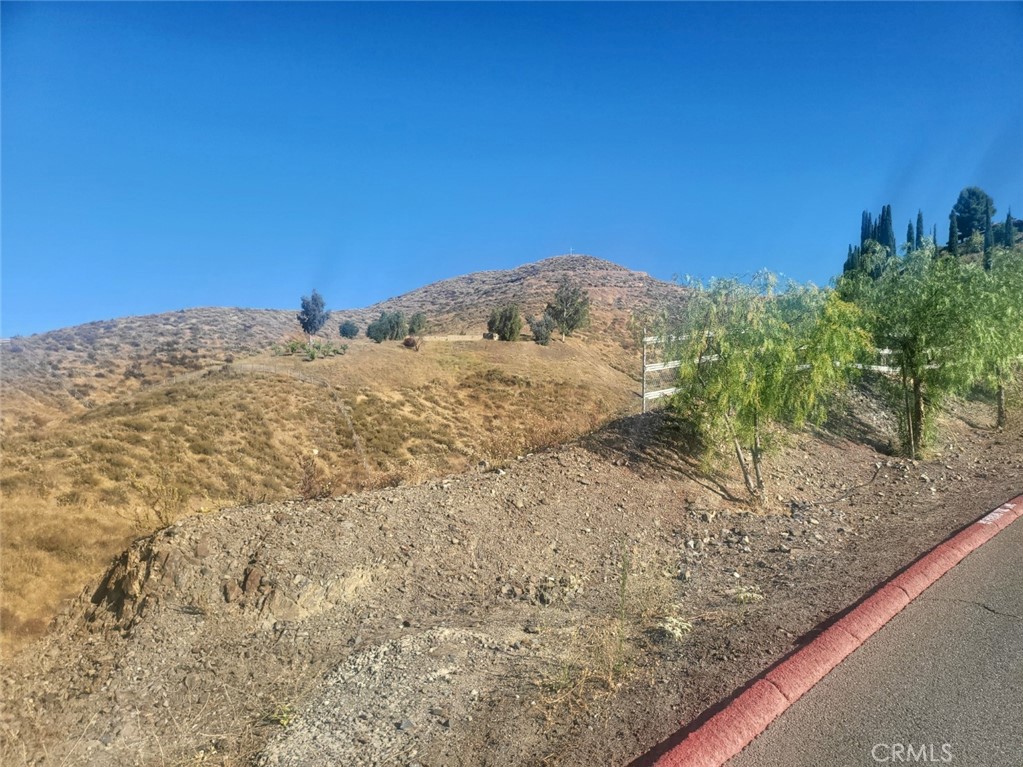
x=116, y=428
x=515, y=615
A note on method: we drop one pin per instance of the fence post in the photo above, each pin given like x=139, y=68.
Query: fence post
x=644, y=368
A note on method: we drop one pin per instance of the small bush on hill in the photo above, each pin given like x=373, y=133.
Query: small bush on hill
x=417, y=324
x=389, y=326
x=348, y=329
x=505, y=322
x=542, y=329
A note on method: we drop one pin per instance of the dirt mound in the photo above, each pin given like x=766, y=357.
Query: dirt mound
x=569, y=607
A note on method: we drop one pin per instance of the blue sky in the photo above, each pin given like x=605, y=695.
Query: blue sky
x=162, y=156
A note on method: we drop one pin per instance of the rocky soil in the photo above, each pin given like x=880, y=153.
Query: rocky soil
x=570, y=607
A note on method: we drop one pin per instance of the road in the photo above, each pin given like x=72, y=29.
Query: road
x=941, y=683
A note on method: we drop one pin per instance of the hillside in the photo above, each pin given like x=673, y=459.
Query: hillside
x=504, y=616
x=114, y=428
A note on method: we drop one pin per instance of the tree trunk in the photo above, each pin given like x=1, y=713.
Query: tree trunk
x=918, y=416
x=909, y=416
x=757, y=453
x=1000, y=403
x=745, y=467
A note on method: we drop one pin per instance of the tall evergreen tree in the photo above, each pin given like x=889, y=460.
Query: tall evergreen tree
x=866, y=227
x=888, y=232
x=989, y=236
x=1008, y=236
x=953, y=234
x=910, y=238
x=971, y=210
x=919, y=243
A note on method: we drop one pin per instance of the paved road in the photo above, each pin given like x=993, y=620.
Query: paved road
x=944, y=677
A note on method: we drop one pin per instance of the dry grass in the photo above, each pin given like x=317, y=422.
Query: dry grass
x=77, y=489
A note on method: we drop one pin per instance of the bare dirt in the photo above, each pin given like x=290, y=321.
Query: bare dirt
x=567, y=607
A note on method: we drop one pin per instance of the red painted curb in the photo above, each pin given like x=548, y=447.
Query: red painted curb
x=739, y=720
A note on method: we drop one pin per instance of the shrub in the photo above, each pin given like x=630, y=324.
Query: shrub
x=417, y=324
x=413, y=342
x=506, y=322
x=389, y=326
x=348, y=329
x=542, y=329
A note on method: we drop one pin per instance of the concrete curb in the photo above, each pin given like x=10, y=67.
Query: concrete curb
x=727, y=728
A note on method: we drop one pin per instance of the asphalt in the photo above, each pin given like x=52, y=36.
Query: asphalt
x=941, y=683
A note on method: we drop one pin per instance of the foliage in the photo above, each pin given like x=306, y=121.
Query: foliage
x=971, y=210
x=413, y=342
x=389, y=326
x=313, y=315
x=417, y=324
x=542, y=329
x=317, y=349
x=753, y=359
x=505, y=322
x=953, y=234
x=931, y=313
x=570, y=309
x=348, y=329
x=1001, y=315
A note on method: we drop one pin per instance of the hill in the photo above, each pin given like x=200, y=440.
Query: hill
x=114, y=428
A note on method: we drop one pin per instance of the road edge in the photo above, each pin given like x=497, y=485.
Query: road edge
x=727, y=728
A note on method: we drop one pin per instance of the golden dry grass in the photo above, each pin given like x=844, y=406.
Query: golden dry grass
x=77, y=489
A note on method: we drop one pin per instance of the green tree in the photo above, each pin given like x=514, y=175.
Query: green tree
x=989, y=237
x=505, y=322
x=753, y=359
x=348, y=329
x=389, y=326
x=1009, y=235
x=417, y=324
x=570, y=308
x=1001, y=315
x=313, y=315
x=953, y=234
x=542, y=329
x=971, y=209
x=925, y=309
x=910, y=239
x=919, y=242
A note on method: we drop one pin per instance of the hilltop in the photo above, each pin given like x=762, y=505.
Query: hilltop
x=114, y=428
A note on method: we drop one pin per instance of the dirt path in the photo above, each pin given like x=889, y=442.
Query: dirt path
x=571, y=607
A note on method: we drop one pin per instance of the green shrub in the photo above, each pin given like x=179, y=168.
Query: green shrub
x=542, y=329
x=505, y=322
x=417, y=324
x=348, y=329
x=390, y=326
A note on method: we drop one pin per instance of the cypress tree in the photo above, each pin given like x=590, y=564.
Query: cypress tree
x=1008, y=236
x=919, y=242
x=989, y=236
x=866, y=227
x=888, y=232
x=953, y=234
x=910, y=238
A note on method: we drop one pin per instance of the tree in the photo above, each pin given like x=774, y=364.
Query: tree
x=417, y=324
x=389, y=326
x=542, y=329
x=570, y=309
x=910, y=238
x=505, y=322
x=919, y=242
x=348, y=329
x=925, y=309
x=753, y=359
x=971, y=210
x=1008, y=236
x=989, y=237
x=1001, y=316
x=313, y=315
x=953, y=233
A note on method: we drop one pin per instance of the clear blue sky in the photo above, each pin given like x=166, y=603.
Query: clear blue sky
x=162, y=156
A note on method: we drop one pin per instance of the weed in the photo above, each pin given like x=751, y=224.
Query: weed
x=746, y=595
